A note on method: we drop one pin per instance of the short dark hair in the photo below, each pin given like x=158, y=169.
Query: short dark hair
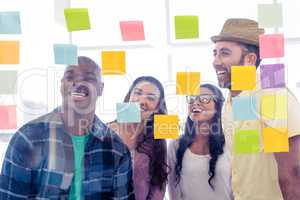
x=252, y=49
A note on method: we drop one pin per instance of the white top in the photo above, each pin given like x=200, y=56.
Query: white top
x=193, y=184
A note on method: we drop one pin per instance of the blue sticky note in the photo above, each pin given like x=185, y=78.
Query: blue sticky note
x=10, y=23
x=65, y=54
x=128, y=113
x=244, y=108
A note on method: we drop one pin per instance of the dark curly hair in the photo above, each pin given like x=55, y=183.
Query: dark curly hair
x=216, y=137
x=155, y=149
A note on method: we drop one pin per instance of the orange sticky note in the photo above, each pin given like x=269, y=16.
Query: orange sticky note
x=132, y=30
x=166, y=126
x=113, y=62
x=243, y=77
x=8, y=117
x=9, y=52
x=188, y=83
x=275, y=140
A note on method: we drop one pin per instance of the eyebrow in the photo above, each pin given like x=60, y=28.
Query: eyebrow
x=143, y=91
x=222, y=49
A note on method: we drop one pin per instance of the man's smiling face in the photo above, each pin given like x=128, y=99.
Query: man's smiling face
x=81, y=85
x=226, y=54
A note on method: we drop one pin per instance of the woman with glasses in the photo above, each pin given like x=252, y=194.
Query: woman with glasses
x=149, y=155
x=200, y=165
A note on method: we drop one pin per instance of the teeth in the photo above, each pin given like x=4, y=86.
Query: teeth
x=197, y=110
x=78, y=94
x=221, y=72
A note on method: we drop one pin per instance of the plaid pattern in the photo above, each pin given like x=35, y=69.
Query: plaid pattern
x=39, y=163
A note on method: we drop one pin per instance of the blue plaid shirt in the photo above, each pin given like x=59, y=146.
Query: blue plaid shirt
x=39, y=163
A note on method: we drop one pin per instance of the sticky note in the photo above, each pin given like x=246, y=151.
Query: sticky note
x=188, y=83
x=77, y=19
x=275, y=140
x=8, y=117
x=9, y=52
x=8, y=80
x=65, y=54
x=113, y=62
x=186, y=27
x=132, y=30
x=243, y=78
x=274, y=106
x=246, y=141
x=272, y=76
x=166, y=127
x=244, y=108
x=128, y=113
x=271, y=45
x=270, y=15
x=10, y=22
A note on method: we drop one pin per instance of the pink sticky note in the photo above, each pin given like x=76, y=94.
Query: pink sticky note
x=271, y=45
x=132, y=30
x=8, y=117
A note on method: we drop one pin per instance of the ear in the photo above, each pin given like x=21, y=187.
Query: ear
x=100, y=89
x=250, y=59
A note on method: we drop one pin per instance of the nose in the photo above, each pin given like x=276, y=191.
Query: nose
x=142, y=100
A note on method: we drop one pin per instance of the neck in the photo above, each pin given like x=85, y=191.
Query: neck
x=75, y=123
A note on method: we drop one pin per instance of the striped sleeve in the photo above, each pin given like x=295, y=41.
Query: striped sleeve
x=123, y=183
x=16, y=174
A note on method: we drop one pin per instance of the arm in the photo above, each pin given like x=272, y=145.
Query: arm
x=289, y=170
x=122, y=180
x=15, y=178
x=174, y=190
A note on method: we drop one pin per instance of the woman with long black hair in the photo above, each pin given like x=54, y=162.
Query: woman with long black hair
x=200, y=165
x=149, y=155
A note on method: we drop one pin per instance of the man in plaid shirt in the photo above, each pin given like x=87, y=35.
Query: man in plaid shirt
x=69, y=153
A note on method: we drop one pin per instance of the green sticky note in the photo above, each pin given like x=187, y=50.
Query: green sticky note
x=270, y=15
x=274, y=106
x=77, y=19
x=186, y=27
x=246, y=141
x=8, y=80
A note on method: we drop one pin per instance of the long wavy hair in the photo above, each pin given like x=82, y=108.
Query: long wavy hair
x=155, y=149
x=216, y=137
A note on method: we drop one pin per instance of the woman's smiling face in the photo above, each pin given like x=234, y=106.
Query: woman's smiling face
x=148, y=95
x=202, y=108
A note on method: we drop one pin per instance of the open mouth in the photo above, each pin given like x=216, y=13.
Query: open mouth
x=80, y=92
x=143, y=109
x=221, y=73
x=197, y=110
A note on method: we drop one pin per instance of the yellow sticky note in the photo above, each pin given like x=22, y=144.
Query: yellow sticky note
x=113, y=62
x=166, y=126
x=243, y=78
x=9, y=52
x=275, y=140
x=274, y=106
x=188, y=83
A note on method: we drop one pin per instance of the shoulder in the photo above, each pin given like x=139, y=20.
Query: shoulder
x=36, y=129
x=173, y=147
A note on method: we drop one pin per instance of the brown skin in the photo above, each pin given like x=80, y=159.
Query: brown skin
x=202, y=120
x=227, y=54
x=78, y=111
x=148, y=96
